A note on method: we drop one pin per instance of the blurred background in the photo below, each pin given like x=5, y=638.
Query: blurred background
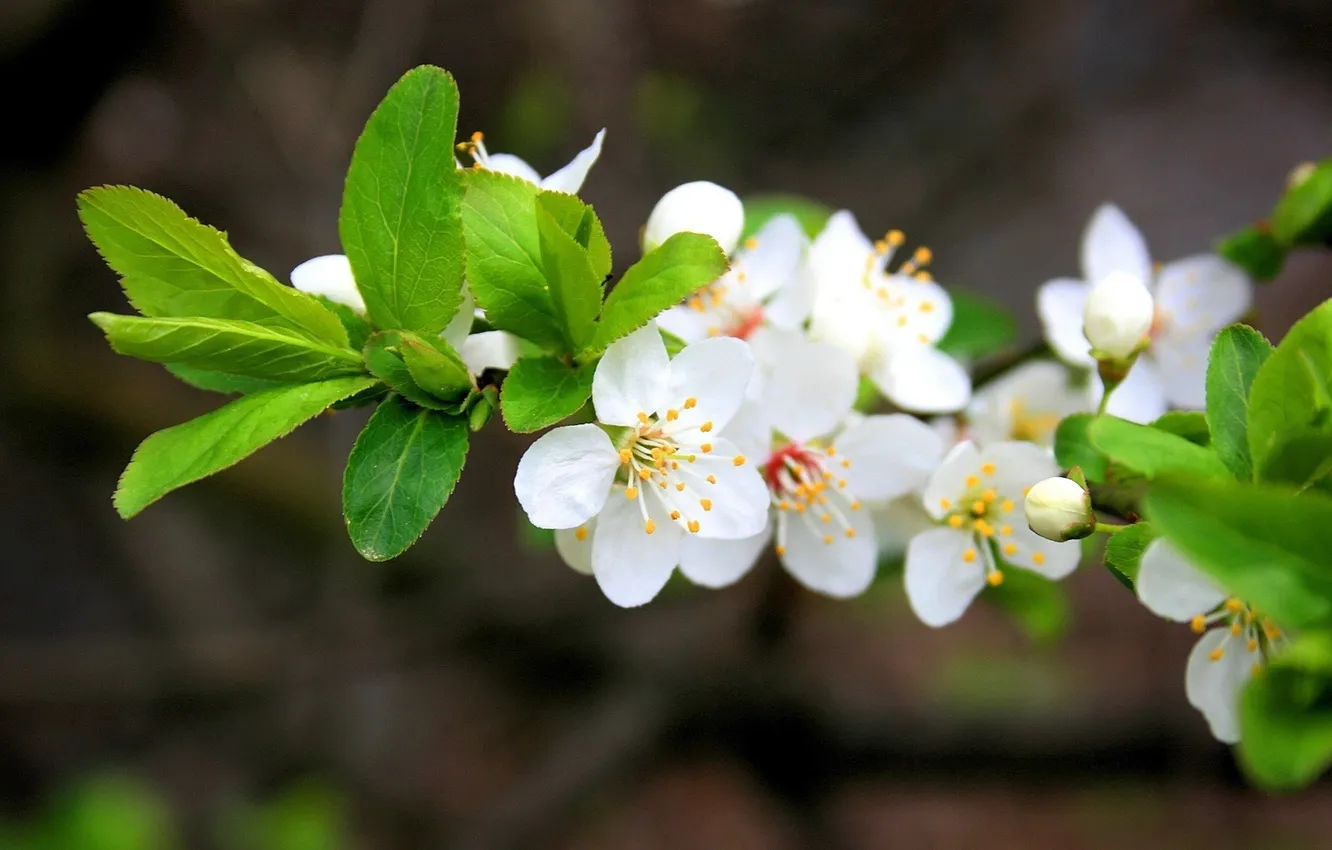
x=224, y=672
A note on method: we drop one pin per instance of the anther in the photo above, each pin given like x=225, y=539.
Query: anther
x=1234, y=606
x=1006, y=506
x=989, y=495
x=1217, y=653
x=675, y=514
x=973, y=481
x=580, y=534
x=706, y=447
x=1038, y=558
x=679, y=486
x=987, y=468
x=1010, y=549
x=945, y=504
x=672, y=415
x=649, y=526
x=894, y=237
x=1198, y=624
x=738, y=460
x=846, y=463
x=693, y=526
x=751, y=243
x=994, y=579
x=631, y=492
x=923, y=255
x=1252, y=645
x=827, y=538
x=706, y=426
x=706, y=503
x=955, y=521
x=1236, y=629
x=644, y=474
x=979, y=507
x=690, y=402
x=1006, y=530
x=780, y=550
x=626, y=455
x=926, y=306
x=712, y=479
x=850, y=532
x=478, y=137
x=642, y=417
x=855, y=506
x=825, y=518
x=969, y=556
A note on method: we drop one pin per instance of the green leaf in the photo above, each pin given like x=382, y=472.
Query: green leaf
x=220, y=345
x=1237, y=353
x=400, y=221
x=357, y=328
x=434, y=366
x=110, y=813
x=541, y=391
x=504, y=257
x=1270, y=546
x=1284, y=398
x=1123, y=552
x=401, y=471
x=1189, y=424
x=1302, y=459
x=220, y=382
x=1303, y=216
x=676, y=269
x=1286, y=715
x=574, y=289
x=674, y=345
x=980, y=326
x=1151, y=451
x=579, y=221
x=1072, y=447
x=1039, y=606
x=760, y=209
x=185, y=453
x=171, y=266
x=385, y=361
x=1255, y=250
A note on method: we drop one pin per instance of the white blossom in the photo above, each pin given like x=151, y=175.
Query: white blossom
x=1118, y=315
x=698, y=207
x=1024, y=403
x=1059, y=509
x=568, y=179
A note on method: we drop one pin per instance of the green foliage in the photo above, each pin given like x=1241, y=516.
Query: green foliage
x=221, y=345
x=1255, y=250
x=196, y=449
x=1290, y=392
x=385, y=360
x=400, y=221
x=1123, y=551
x=108, y=813
x=434, y=366
x=1038, y=606
x=171, y=266
x=980, y=326
x=580, y=221
x=1073, y=447
x=220, y=382
x=1302, y=459
x=1270, y=546
x=1189, y=424
x=1303, y=216
x=677, y=268
x=575, y=290
x=306, y=816
x=401, y=471
x=540, y=391
x=1151, y=451
x=1286, y=715
x=760, y=209
x=1237, y=353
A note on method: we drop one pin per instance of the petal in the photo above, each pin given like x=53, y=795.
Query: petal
x=1202, y=294
x=630, y=565
x=838, y=254
x=631, y=377
x=926, y=306
x=1213, y=687
x=507, y=163
x=922, y=379
x=563, y=477
x=896, y=522
x=889, y=455
x=569, y=179
x=1060, y=304
x=948, y=483
x=489, y=350
x=575, y=552
x=1173, y=588
x=809, y=387
x=713, y=372
x=739, y=498
x=1111, y=243
x=1027, y=549
x=461, y=324
x=717, y=563
x=843, y=568
x=1025, y=404
x=1017, y=465
x=1182, y=365
x=773, y=261
x=790, y=306
x=697, y=207
x=939, y=584
x=751, y=431
x=688, y=324
x=1140, y=398
x=331, y=277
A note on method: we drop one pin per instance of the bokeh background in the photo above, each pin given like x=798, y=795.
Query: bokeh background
x=224, y=672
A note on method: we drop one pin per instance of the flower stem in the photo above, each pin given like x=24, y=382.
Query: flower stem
x=1108, y=528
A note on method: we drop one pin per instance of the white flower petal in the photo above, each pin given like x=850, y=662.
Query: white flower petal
x=1027, y=549
x=718, y=563
x=507, y=163
x=1182, y=368
x=714, y=372
x=1202, y=294
x=1026, y=403
x=1060, y=304
x=896, y=522
x=808, y=387
x=751, y=431
x=1111, y=243
x=1173, y=588
x=697, y=207
x=630, y=565
x=331, y=277
x=461, y=323
x=688, y=324
x=739, y=498
x=838, y=254
x=927, y=307
x=790, y=306
x=949, y=481
x=563, y=477
x=631, y=377
x=773, y=261
x=1017, y=466
x=922, y=379
x=939, y=584
x=575, y=552
x=1140, y=398
x=843, y=568
x=1213, y=687
x=889, y=455
x=569, y=179
x=489, y=350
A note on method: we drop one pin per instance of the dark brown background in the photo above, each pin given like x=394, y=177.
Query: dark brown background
x=476, y=693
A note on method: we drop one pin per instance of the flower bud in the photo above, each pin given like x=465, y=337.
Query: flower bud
x=698, y=207
x=1118, y=315
x=1058, y=509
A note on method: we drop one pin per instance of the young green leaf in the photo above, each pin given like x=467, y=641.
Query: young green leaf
x=400, y=222
x=504, y=257
x=1189, y=424
x=434, y=366
x=1284, y=397
x=196, y=449
x=1237, y=353
x=540, y=391
x=171, y=266
x=237, y=348
x=1302, y=459
x=1123, y=552
x=579, y=221
x=1286, y=715
x=678, y=267
x=220, y=382
x=574, y=289
x=401, y=471
x=1303, y=216
x=385, y=361
x=1151, y=451
x=1255, y=250
x=1267, y=545
x=1072, y=447
x=980, y=326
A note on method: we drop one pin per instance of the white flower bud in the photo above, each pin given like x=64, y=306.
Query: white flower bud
x=1059, y=509
x=698, y=207
x=1118, y=315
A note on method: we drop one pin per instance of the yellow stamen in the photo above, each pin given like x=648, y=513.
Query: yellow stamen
x=894, y=237
x=1038, y=558
x=1234, y=606
x=580, y=534
x=751, y=243
x=672, y=415
x=649, y=526
x=846, y=463
x=827, y=538
x=631, y=492
x=738, y=460
x=706, y=503
x=969, y=556
x=989, y=495
x=955, y=521
x=693, y=526
x=1198, y=624
x=781, y=550
x=850, y=532
x=923, y=255
x=679, y=486
x=1006, y=530
x=973, y=481
x=1010, y=549
x=626, y=455
x=690, y=402
x=1006, y=505
x=1252, y=645
x=994, y=579
x=706, y=427
x=712, y=479
x=979, y=507
x=706, y=447
x=644, y=474
x=855, y=506
x=1217, y=653
x=945, y=504
x=675, y=514
x=642, y=417
x=1236, y=629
